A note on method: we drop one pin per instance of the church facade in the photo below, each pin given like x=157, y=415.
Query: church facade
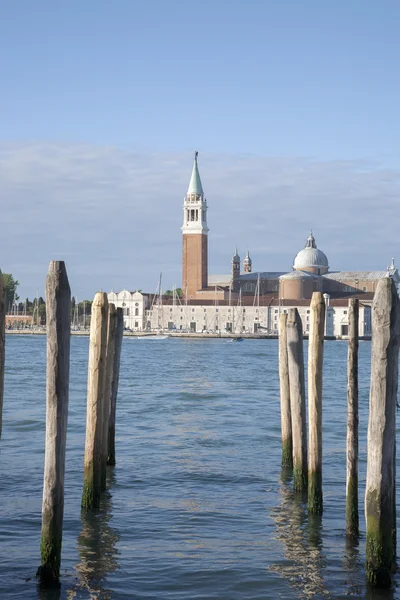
x=243, y=300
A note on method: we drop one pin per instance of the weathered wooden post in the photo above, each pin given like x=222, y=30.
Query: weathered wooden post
x=380, y=486
x=111, y=332
x=286, y=418
x=352, y=523
x=2, y=344
x=114, y=387
x=297, y=398
x=58, y=317
x=315, y=361
x=95, y=402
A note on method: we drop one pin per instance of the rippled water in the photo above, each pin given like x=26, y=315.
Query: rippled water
x=196, y=507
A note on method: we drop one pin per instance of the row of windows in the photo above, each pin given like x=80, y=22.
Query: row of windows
x=126, y=312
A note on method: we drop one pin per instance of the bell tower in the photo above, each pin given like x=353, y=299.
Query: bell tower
x=235, y=271
x=195, y=237
x=247, y=264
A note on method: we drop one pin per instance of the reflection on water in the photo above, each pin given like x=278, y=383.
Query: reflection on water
x=301, y=538
x=96, y=547
x=352, y=565
x=49, y=593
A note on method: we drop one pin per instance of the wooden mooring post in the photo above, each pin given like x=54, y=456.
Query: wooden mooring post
x=297, y=398
x=315, y=361
x=114, y=387
x=95, y=402
x=380, y=485
x=2, y=344
x=286, y=418
x=58, y=317
x=111, y=332
x=352, y=520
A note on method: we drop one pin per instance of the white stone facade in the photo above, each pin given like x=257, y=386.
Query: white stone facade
x=248, y=319
x=133, y=305
x=139, y=316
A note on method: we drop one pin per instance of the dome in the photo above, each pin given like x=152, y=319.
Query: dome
x=310, y=257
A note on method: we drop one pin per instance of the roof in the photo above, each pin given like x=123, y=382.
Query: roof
x=299, y=275
x=262, y=274
x=340, y=275
x=219, y=279
x=195, y=186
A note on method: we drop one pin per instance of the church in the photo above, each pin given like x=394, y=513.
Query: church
x=242, y=300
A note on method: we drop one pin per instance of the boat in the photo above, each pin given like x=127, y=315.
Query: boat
x=238, y=339
x=152, y=337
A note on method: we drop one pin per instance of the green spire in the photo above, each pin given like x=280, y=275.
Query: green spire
x=195, y=186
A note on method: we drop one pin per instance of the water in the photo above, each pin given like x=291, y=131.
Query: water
x=196, y=507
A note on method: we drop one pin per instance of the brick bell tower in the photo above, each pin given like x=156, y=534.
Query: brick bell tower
x=195, y=237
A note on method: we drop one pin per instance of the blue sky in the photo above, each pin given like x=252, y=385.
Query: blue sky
x=292, y=105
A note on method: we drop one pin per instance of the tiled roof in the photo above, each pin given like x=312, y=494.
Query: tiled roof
x=342, y=275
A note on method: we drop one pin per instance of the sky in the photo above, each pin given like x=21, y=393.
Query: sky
x=293, y=107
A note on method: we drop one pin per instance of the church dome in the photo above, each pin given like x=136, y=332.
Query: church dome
x=311, y=258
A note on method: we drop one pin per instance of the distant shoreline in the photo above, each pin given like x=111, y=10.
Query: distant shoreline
x=201, y=336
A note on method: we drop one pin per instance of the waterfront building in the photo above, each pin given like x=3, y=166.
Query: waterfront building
x=247, y=301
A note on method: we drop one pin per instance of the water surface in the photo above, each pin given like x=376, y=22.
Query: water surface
x=197, y=506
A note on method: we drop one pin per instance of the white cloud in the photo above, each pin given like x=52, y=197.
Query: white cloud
x=114, y=216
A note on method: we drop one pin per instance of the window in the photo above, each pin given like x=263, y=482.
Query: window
x=216, y=310
x=136, y=312
x=308, y=312
x=364, y=289
x=345, y=312
x=181, y=318
x=192, y=309
x=136, y=303
x=276, y=310
x=136, y=324
x=205, y=310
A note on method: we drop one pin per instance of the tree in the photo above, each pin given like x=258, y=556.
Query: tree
x=178, y=292
x=11, y=285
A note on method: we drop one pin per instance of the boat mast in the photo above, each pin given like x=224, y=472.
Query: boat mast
x=159, y=302
x=186, y=310
x=229, y=302
x=76, y=313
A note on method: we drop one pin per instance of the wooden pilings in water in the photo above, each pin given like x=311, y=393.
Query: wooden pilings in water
x=286, y=418
x=114, y=388
x=315, y=360
x=2, y=344
x=95, y=402
x=297, y=398
x=380, y=486
x=58, y=316
x=111, y=332
x=352, y=520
